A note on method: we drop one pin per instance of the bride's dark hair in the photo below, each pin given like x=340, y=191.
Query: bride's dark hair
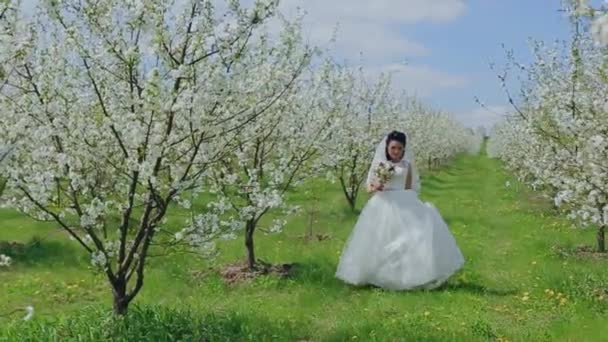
x=395, y=136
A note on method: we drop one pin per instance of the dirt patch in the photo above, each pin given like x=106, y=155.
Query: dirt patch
x=12, y=247
x=601, y=292
x=201, y=274
x=581, y=252
x=240, y=272
x=316, y=237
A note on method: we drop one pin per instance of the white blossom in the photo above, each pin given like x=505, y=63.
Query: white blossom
x=557, y=141
x=599, y=29
x=29, y=313
x=5, y=261
x=581, y=7
x=115, y=111
x=98, y=259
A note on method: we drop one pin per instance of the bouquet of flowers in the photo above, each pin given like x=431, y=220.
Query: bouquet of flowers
x=384, y=172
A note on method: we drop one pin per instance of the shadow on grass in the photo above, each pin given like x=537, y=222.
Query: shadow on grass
x=403, y=330
x=471, y=288
x=154, y=323
x=317, y=274
x=434, y=180
x=456, y=220
x=476, y=289
x=440, y=188
x=40, y=252
x=323, y=274
x=346, y=213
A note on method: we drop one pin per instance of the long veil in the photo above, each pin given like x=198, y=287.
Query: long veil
x=380, y=156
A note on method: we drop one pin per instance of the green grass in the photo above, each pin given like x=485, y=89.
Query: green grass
x=514, y=286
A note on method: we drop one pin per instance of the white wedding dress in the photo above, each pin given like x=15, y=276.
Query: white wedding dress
x=399, y=242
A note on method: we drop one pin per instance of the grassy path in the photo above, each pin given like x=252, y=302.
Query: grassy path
x=515, y=285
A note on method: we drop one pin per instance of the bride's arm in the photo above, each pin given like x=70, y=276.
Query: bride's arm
x=408, y=177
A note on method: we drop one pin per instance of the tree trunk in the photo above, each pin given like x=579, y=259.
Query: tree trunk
x=312, y=217
x=121, y=299
x=352, y=201
x=250, y=228
x=351, y=197
x=311, y=221
x=601, y=239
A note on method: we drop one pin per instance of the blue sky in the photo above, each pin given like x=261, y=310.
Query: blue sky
x=447, y=45
x=467, y=45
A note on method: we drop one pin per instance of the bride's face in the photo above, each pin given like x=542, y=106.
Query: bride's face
x=395, y=150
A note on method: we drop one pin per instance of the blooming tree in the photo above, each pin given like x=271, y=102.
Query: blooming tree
x=8, y=21
x=8, y=25
x=272, y=154
x=368, y=112
x=598, y=16
x=117, y=110
x=558, y=141
x=436, y=136
x=362, y=113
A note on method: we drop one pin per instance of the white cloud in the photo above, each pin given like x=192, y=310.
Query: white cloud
x=483, y=116
x=375, y=42
x=372, y=27
x=372, y=32
x=401, y=11
x=417, y=80
x=422, y=80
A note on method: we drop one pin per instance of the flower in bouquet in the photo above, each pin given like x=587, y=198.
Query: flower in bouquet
x=384, y=172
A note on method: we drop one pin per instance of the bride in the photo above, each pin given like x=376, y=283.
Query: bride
x=398, y=243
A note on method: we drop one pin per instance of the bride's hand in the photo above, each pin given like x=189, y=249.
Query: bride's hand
x=376, y=187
